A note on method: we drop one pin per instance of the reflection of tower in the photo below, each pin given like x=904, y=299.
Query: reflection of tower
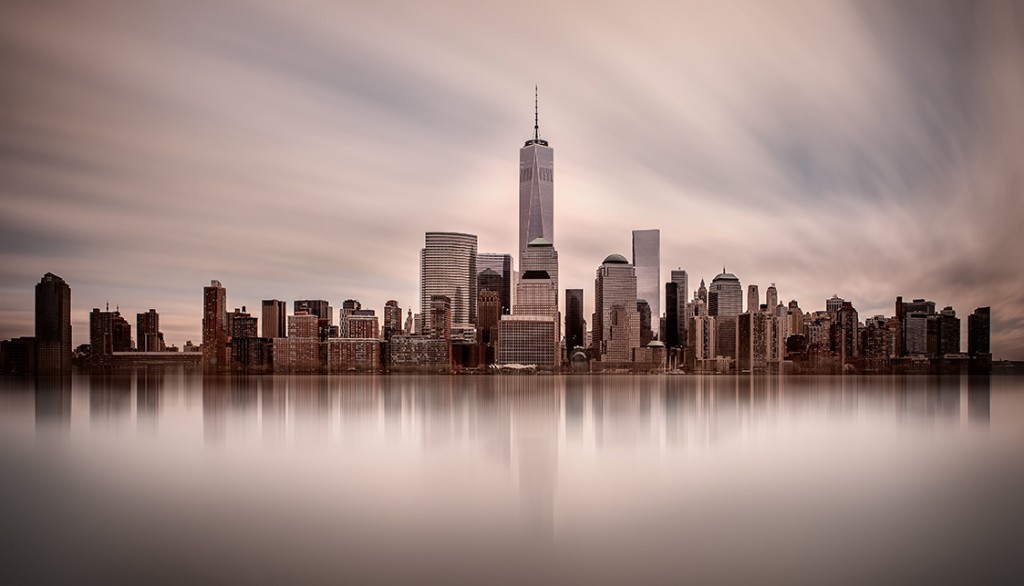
x=979, y=400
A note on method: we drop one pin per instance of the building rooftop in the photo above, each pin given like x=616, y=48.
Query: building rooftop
x=615, y=259
x=540, y=242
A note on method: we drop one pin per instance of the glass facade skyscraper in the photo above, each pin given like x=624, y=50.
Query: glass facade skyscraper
x=647, y=261
x=536, y=191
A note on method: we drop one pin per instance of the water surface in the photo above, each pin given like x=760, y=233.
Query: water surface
x=169, y=477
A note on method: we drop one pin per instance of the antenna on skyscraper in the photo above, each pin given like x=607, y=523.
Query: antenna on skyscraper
x=536, y=115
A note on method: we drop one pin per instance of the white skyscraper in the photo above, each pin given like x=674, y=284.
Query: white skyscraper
x=647, y=261
x=536, y=190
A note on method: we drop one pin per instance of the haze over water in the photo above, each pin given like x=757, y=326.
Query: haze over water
x=152, y=477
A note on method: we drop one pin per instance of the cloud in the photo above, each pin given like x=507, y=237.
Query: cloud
x=864, y=149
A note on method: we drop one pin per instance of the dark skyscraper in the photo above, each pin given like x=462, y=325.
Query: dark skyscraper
x=502, y=264
x=575, y=328
x=108, y=333
x=672, y=315
x=646, y=333
x=979, y=331
x=53, y=325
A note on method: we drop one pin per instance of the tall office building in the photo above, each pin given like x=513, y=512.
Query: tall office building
x=501, y=264
x=318, y=307
x=215, y=327
x=275, y=318
x=392, y=319
x=725, y=296
x=108, y=333
x=540, y=255
x=753, y=299
x=673, y=316
x=53, y=325
x=979, y=330
x=771, y=298
x=575, y=326
x=148, y=331
x=448, y=268
x=615, y=297
x=647, y=262
x=702, y=292
x=833, y=305
x=536, y=189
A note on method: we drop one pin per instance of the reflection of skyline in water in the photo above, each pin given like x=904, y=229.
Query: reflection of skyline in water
x=562, y=462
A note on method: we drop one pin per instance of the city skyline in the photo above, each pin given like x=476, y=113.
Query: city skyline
x=893, y=186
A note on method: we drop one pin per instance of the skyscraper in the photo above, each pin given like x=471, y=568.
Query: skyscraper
x=771, y=298
x=574, y=324
x=148, y=331
x=725, y=296
x=392, y=319
x=53, y=325
x=979, y=331
x=753, y=299
x=215, y=327
x=275, y=317
x=647, y=262
x=448, y=268
x=501, y=264
x=540, y=255
x=536, y=189
x=616, y=323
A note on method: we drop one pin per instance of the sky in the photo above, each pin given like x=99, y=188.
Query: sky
x=301, y=149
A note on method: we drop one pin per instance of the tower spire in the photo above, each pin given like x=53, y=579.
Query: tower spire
x=536, y=117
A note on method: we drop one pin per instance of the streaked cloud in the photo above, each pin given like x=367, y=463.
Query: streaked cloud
x=302, y=149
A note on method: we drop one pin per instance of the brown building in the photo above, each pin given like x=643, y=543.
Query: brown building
x=108, y=333
x=353, y=355
x=418, y=353
x=275, y=314
x=215, y=328
x=147, y=331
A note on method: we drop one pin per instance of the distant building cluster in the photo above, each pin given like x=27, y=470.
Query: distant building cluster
x=477, y=312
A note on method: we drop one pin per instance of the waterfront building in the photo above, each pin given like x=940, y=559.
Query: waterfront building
x=275, y=316
x=448, y=268
x=536, y=190
x=215, y=327
x=147, y=332
x=362, y=325
x=615, y=291
x=979, y=332
x=53, y=325
x=352, y=354
x=647, y=264
x=414, y=353
x=528, y=339
x=18, y=356
x=108, y=333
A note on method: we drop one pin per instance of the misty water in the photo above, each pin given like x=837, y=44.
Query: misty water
x=169, y=477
